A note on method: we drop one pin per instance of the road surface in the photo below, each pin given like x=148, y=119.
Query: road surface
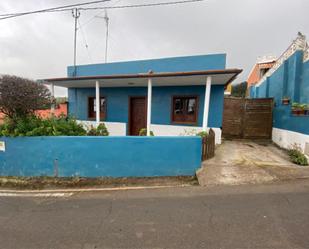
x=247, y=216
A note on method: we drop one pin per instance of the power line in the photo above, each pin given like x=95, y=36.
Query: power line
x=67, y=7
x=141, y=5
x=59, y=8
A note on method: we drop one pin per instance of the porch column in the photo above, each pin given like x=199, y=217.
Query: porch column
x=206, y=102
x=149, y=95
x=97, y=101
x=52, y=90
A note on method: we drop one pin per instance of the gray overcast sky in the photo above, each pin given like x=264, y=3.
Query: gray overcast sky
x=41, y=46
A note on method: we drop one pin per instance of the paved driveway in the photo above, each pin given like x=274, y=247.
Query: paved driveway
x=242, y=162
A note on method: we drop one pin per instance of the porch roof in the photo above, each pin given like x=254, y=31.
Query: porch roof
x=219, y=77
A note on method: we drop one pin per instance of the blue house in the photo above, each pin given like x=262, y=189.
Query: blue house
x=169, y=96
x=288, y=79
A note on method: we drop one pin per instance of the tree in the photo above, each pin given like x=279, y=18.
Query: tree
x=20, y=97
x=239, y=90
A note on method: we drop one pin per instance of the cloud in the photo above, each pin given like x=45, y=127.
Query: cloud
x=41, y=46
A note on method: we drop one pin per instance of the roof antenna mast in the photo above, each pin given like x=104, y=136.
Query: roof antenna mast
x=106, y=19
x=106, y=36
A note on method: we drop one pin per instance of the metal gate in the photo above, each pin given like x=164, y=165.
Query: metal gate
x=247, y=118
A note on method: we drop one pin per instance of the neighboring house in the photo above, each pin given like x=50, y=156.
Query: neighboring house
x=170, y=96
x=60, y=109
x=288, y=78
x=261, y=67
x=228, y=89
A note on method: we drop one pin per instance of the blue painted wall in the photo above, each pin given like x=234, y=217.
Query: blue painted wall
x=101, y=156
x=118, y=101
x=291, y=80
x=304, y=89
x=175, y=64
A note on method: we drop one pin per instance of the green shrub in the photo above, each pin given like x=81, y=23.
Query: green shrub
x=101, y=130
x=202, y=134
x=295, y=105
x=143, y=132
x=35, y=126
x=297, y=156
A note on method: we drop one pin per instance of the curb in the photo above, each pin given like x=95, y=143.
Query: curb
x=81, y=190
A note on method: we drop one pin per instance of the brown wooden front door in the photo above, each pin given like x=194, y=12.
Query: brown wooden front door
x=137, y=115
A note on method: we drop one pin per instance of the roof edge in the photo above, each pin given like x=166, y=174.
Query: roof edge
x=234, y=71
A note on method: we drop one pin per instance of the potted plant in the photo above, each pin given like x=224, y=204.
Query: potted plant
x=302, y=109
x=307, y=110
x=295, y=108
x=285, y=100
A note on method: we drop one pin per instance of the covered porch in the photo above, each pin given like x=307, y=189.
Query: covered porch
x=140, y=105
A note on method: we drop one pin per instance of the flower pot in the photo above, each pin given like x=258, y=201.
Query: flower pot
x=285, y=101
x=295, y=112
x=301, y=112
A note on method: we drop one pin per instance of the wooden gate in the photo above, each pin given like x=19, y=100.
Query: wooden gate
x=247, y=118
x=208, y=145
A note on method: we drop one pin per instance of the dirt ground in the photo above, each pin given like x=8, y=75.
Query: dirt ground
x=243, y=162
x=43, y=183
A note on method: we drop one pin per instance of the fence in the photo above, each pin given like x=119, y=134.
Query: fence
x=247, y=118
x=208, y=148
x=100, y=156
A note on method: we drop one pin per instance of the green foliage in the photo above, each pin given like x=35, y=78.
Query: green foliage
x=61, y=100
x=20, y=97
x=297, y=156
x=299, y=106
x=202, y=134
x=143, y=132
x=239, y=90
x=35, y=126
x=295, y=105
x=101, y=130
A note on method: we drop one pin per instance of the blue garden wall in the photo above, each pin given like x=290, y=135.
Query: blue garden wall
x=117, y=100
x=175, y=64
x=291, y=80
x=101, y=156
x=304, y=89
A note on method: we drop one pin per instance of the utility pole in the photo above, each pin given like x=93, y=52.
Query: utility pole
x=75, y=14
x=106, y=19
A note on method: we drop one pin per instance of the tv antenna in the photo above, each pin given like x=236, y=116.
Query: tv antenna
x=106, y=19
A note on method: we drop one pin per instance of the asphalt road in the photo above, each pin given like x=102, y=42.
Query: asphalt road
x=256, y=216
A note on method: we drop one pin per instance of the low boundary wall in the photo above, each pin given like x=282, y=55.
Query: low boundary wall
x=100, y=156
